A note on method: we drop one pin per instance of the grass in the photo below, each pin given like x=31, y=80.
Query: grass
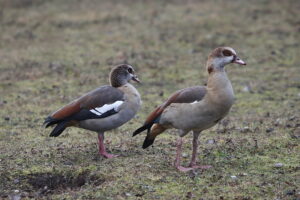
x=54, y=51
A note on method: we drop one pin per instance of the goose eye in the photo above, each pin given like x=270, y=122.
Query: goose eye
x=130, y=70
x=227, y=53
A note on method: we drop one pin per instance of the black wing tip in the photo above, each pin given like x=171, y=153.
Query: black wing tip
x=138, y=131
x=148, y=142
x=58, y=129
x=48, y=121
x=141, y=129
x=146, y=126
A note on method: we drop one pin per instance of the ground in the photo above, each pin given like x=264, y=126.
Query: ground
x=54, y=51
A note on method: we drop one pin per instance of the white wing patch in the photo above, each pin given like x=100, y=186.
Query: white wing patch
x=194, y=102
x=106, y=107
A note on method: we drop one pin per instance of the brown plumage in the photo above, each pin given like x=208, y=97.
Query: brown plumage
x=102, y=109
x=187, y=95
x=96, y=98
x=196, y=108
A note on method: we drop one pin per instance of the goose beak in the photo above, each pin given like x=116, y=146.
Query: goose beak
x=239, y=61
x=136, y=79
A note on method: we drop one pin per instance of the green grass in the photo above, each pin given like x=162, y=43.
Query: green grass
x=54, y=51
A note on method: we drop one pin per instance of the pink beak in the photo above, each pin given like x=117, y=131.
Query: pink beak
x=136, y=79
x=239, y=61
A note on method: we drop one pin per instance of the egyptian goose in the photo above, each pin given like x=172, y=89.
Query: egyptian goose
x=195, y=108
x=102, y=109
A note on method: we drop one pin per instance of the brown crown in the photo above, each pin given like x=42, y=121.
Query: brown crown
x=118, y=75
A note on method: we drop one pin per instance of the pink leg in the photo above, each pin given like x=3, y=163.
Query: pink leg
x=194, y=154
x=102, y=150
x=178, y=157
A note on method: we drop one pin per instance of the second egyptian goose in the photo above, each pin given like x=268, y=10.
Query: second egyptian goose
x=102, y=109
x=196, y=108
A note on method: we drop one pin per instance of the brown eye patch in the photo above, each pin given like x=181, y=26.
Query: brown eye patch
x=130, y=70
x=226, y=52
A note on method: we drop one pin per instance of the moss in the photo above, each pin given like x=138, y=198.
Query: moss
x=54, y=51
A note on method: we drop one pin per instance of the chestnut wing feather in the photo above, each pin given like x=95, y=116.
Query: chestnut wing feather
x=187, y=95
x=96, y=98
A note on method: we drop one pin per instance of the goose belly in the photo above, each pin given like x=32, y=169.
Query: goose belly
x=108, y=123
x=192, y=117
